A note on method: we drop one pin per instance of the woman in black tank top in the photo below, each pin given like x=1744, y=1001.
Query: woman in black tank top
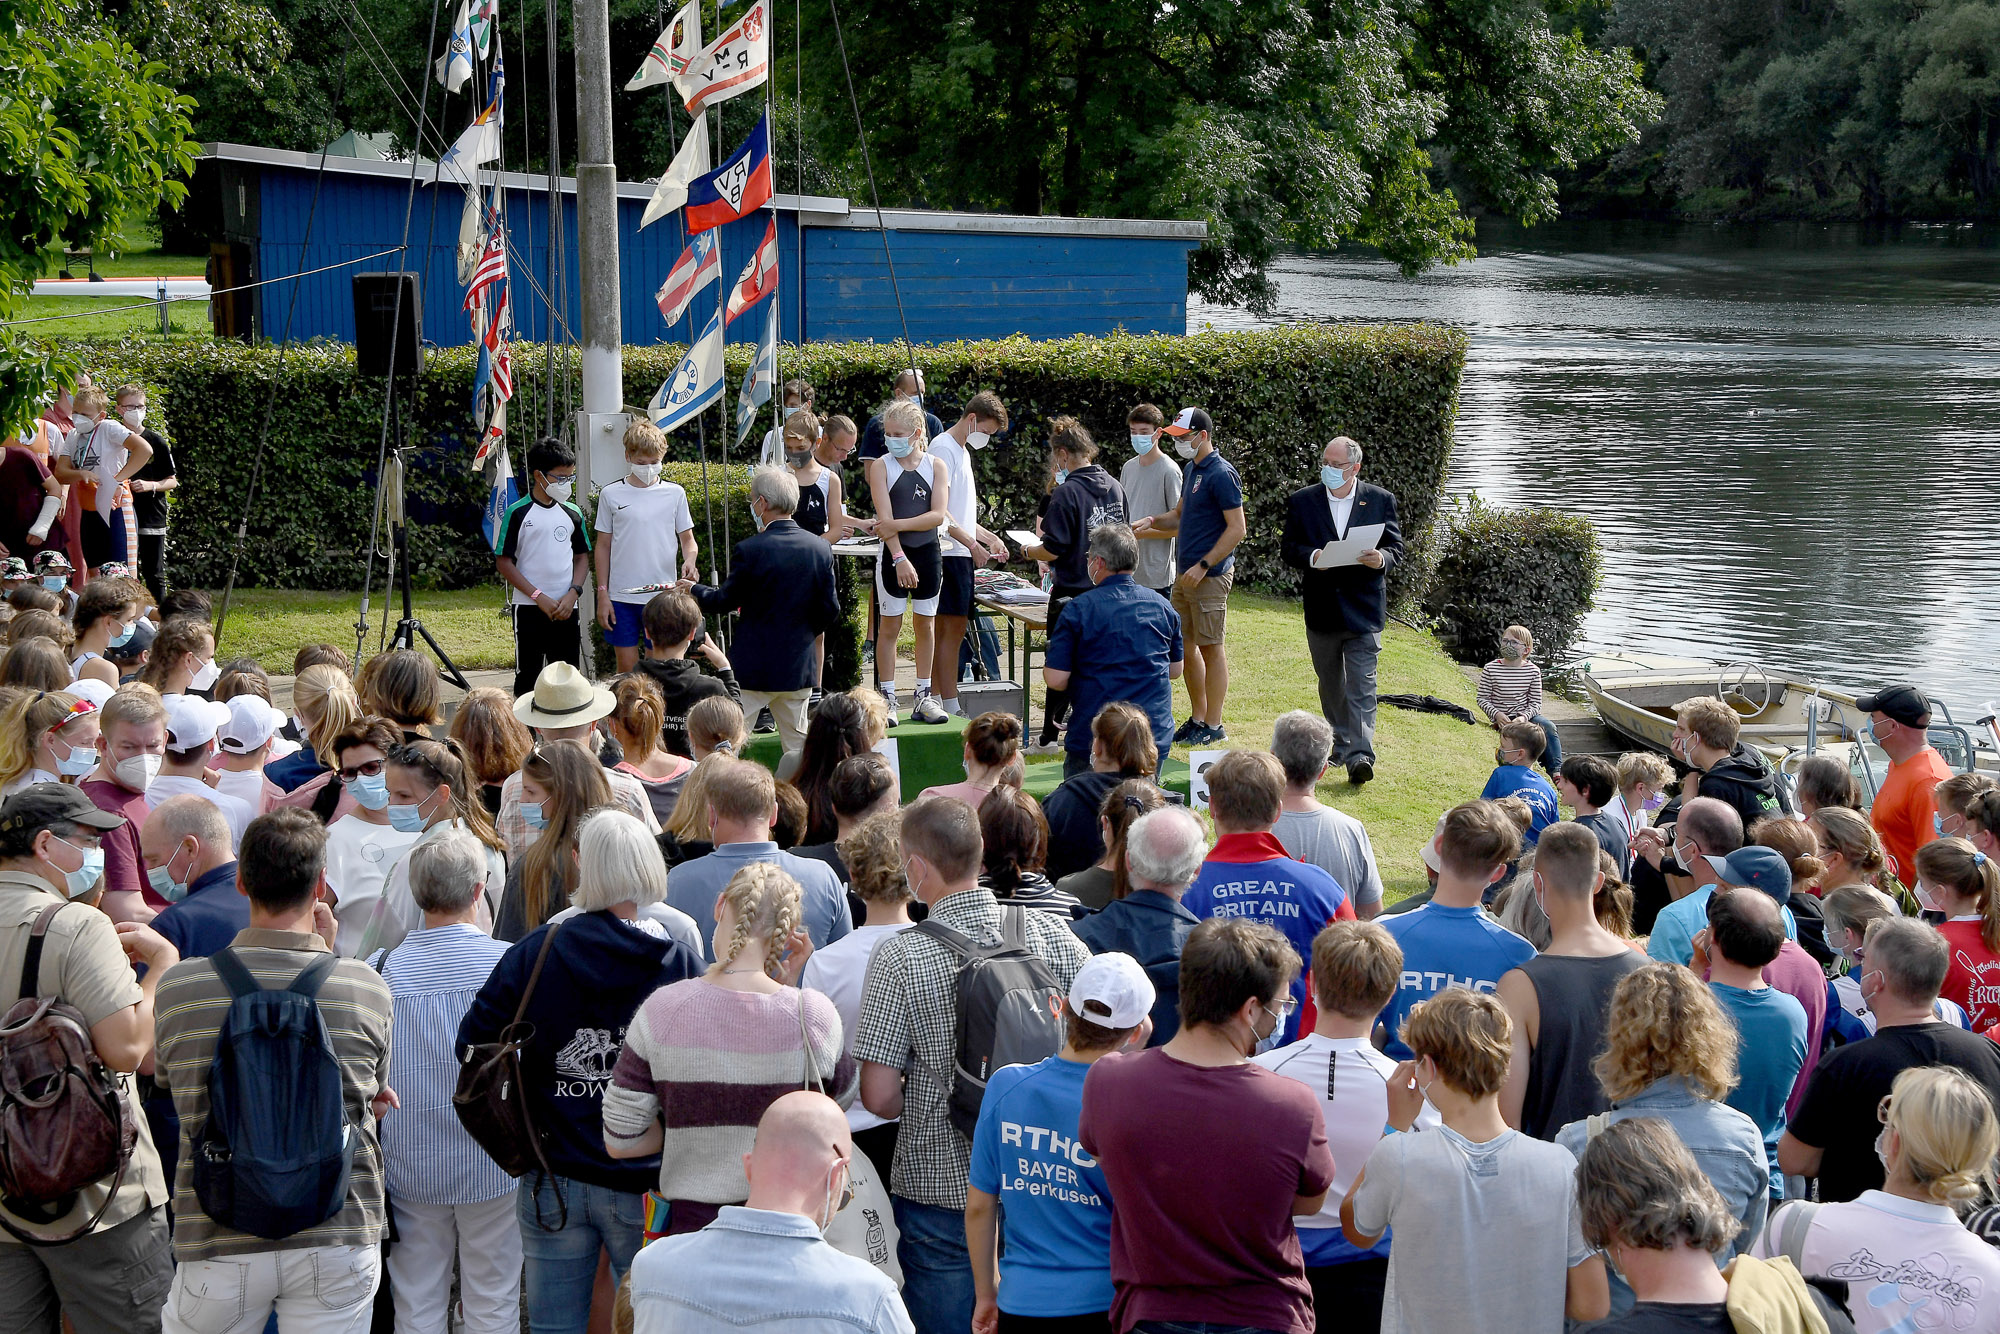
x=911, y=492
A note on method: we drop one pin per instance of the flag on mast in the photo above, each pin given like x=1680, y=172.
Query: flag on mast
x=741, y=185
x=699, y=265
x=485, y=24
x=454, y=67
x=732, y=64
x=690, y=162
x=758, y=380
x=759, y=277
x=505, y=489
x=675, y=49
x=695, y=383
x=481, y=140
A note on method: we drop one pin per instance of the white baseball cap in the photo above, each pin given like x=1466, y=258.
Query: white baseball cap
x=1430, y=852
x=252, y=722
x=85, y=687
x=192, y=720
x=1114, y=983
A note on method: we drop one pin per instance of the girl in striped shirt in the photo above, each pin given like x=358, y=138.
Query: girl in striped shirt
x=1510, y=690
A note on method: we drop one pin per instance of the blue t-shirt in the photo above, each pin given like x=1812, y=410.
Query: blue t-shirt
x=1209, y=489
x=1248, y=875
x=1771, y=1026
x=1518, y=780
x=1446, y=947
x=1672, y=937
x=1055, y=1258
x=1119, y=639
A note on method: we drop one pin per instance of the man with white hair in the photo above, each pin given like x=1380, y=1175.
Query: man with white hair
x=1164, y=851
x=448, y=1195
x=781, y=579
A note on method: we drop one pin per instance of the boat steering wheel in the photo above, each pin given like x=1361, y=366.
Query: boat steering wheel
x=1734, y=679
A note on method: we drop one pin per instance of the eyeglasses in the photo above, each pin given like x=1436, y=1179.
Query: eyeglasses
x=368, y=770
x=1283, y=1009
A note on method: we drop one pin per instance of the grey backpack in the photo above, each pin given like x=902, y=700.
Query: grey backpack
x=1007, y=1007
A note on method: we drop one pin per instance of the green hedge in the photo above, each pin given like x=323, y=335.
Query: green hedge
x=1496, y=568
x=1276, y=397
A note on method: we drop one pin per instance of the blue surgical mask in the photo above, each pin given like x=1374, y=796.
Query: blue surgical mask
x=124, y=634
x=80, y=761
x=161, y=878
x=84, y=879
x=1062, y=475
x=1142, y=444
x=54, y=582
x=1874, y=729
x=1332, y=478
x=531, y=815
x=370, y=790
x=406, y=819
x=899, y=446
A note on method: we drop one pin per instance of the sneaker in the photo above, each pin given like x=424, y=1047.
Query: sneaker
x=1186, y=729
x=1205, y=735
x=888, y=693
x=765, y=722
x=929, y=709
x=1044, y=748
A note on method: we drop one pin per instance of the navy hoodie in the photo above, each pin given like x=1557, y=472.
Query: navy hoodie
x=600, y=970
x=1089, y=496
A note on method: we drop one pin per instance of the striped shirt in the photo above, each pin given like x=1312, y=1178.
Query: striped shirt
x=1512, y=688
x=434, y=974
x=708, y=1061
x=190, y=1007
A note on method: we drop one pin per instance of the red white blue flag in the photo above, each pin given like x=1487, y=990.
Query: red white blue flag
x=732, y=64
x=759, y=277
x=492, y=266
x=741, y=185
x=699, y=265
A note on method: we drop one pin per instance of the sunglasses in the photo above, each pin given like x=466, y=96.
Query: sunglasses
x=368, y=770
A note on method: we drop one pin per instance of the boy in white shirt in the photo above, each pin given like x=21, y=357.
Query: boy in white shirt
x=544, y=553
x=642, y=519
x=98, y=458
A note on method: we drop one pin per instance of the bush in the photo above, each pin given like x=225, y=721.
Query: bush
x=1496, y=568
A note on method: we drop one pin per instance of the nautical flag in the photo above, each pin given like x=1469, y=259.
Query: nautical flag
x=759, y=277
x=506, y=488
x=454, y=67
x=485, y=24
x=742, y=184
x=494, y=434
x=734, y=63
x=469, y=245
x=757, y=381
x=481, y=140
x=503, y=374
x=673, y=52
x=699, y=265
x=672, y=191
x=492, y=266
x=695, y=383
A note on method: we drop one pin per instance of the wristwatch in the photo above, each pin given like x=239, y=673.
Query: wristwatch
x=1203, y=562
x=576, y=589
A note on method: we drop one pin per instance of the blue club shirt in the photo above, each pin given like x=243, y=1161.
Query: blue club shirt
x=208, y=917
x=1055, y=1259
x=1446, y=947
x=1117, y=641
x=1209, y=489
x=1672, y=937
x=1518, y=780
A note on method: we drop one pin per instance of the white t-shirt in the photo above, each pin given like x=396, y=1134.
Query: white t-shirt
x=1907, y=1265
x=238, y=812
x=359, y=857
x=963, y=498
x=644, y=524
x=246, y=785
x=837, y=970
x=98, y=453
x=543, y=541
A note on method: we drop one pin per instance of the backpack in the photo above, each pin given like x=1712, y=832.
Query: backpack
x=491, y=1097
x=274, y=1155
x=63, y=1125
x=1008, y=1001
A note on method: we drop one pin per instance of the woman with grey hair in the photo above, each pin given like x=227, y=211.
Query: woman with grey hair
x=622, y=866
x=448, y=1196
x=1164, y=850
x=1311, y=831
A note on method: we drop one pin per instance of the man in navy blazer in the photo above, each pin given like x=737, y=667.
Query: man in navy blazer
x=1346, y=606
x=781, y=579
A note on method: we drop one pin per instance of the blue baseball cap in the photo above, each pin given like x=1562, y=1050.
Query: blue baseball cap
x=1759, y=868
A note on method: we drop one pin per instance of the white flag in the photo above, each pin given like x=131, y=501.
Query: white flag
x=454, y=67
x=695, y=383
x=731, y=65
x=471, y=244
x=691, y=161
x=675, y=50
x=480, y=143
x=758, y=379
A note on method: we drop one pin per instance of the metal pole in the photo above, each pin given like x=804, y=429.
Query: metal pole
x=596, y=222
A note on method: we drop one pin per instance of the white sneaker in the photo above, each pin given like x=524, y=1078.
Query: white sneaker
x=888, y=693
x=930, y=709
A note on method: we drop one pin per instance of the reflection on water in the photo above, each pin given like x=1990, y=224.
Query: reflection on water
x=1788, y=436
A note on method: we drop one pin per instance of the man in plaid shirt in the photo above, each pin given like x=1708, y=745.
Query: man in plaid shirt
x=906, y=1040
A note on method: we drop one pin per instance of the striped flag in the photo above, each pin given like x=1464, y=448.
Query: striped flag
x=695, y=383
x=491, y=269
x=485, y=20
x=674, y=50
x=759, y=277
x=757, y=381
x=734, y=63
x=699, y=265
x=503, y=373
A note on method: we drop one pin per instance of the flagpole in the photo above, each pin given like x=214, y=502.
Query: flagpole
x=721, y=301
x=777, y=277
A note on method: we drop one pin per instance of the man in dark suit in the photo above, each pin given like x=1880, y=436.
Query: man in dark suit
x=1346, y=605
x=782, y=581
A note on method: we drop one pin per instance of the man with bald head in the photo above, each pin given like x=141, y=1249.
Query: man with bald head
x=721, y=1276
x=1346, y=604
x=190, y=861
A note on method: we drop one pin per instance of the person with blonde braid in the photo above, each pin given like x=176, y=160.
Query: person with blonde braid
x=704, y=1058
x=433, y=792
x=1964, y=883
x=46, y=736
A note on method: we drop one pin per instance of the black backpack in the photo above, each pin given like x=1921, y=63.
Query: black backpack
x=275, y=1154
x=1008, y=1003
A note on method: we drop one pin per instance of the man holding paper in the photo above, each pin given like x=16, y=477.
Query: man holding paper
x=1341, y=535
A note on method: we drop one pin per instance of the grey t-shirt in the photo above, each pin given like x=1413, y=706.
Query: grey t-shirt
x=1451, y=1202
x=1151, y=489
x=1336, y=843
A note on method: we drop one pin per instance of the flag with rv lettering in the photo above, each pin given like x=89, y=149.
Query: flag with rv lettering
x=732, y=64
x=675, y=49
x=741, y=185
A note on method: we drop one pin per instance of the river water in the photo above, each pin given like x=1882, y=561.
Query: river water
x=1788, y=436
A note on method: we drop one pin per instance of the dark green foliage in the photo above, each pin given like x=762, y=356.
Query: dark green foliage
x=1496, y=568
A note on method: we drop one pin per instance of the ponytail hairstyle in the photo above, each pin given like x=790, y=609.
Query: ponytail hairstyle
x=1955, y=865
x=576, y=785
x=1121, y=806
x=1612, y=903
x=1068, y=435
x=766, y=904
x=1958, y=794
x=178, y=636
x=25, y=717
x=994, y=738
x=689, y=821
x=902, y=417
x=101, y=599
x=1945, y=1123
x=1794, y=841
x=1848, y=833
x=242, y=677
x=326, y=703
x=446, y=762
x=716, y=724
x=1125, y=735
x=638, y=712
x=1015, y=835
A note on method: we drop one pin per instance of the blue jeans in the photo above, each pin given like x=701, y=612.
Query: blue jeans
x=560, y=1258
x=1552, y=753
x=937, y=1271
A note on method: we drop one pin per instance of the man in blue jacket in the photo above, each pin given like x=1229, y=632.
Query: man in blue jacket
x=781, y=579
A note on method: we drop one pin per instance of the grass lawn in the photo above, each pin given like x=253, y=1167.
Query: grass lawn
x=96, y=316
x=269, y=624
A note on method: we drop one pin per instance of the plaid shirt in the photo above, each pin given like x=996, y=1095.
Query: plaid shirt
x=909, y=1020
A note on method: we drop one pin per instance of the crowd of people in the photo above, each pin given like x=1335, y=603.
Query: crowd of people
x=562, y=1012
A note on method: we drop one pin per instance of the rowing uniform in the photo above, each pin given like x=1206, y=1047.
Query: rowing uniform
x=909, y=497
x=816, y=503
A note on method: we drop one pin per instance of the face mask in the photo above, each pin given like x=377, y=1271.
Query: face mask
x=204, y=676
x=54, y=582
x=1184, y=447
x=161, y=878
x=1882, y=1149
x=917, y=399
x=77, y=763
x=897, y=445
x=1927, y=898
x=910, y=879
x=1332, y=478
x=1511, y=648
x=407, y=819
x=1142, y=444
x=1883, y=730
x=82, y=880
x=978, y=439
x=134, y=417
x=83, y=422
x=1500, y=757
x=559, y=491
x=531, y=815
x=646, y=473
x=1654, y=802
x=1062, y=475
x=796, y=458
x=370, y=790
x=138, y=772
x=124, y=634
x=1270, y=1041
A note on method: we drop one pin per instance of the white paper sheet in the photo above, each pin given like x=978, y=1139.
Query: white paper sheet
x=1198, y=762
x=1347, y=550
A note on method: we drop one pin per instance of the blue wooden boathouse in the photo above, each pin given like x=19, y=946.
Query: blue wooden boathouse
x=961, y=275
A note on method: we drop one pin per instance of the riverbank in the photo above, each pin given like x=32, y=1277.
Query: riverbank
x=1425, y=763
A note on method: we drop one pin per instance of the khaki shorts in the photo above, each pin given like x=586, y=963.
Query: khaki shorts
x=1205, y=611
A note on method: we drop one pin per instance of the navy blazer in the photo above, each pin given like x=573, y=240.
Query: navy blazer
x=782, y=581
x=1352, y=599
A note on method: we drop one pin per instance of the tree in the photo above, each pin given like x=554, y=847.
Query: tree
x=88, y=135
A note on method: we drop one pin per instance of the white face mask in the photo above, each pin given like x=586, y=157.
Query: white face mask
x=644, y=473
x=559, y=491
x=1184, y=447
x=978, y=439
x=138, y=773
x=84, y=421
x=204, y=676
x=133, y=417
